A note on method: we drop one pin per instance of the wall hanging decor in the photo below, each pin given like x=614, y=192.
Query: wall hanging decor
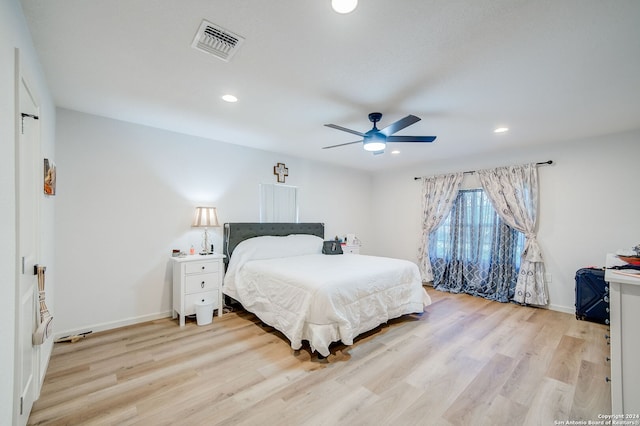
x=281, y=172
x=49, y=177
x=44, y=329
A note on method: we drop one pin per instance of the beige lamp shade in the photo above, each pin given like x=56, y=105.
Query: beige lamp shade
x=205, y=217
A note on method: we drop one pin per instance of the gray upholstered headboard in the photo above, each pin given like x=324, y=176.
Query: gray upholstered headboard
x=234, y=233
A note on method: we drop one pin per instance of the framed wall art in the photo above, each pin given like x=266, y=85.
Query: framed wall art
x=49, y=177
x=281, y=171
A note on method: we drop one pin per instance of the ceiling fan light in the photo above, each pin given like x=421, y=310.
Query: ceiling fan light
x=344, y=6
x=373, y=145
x=374, y=141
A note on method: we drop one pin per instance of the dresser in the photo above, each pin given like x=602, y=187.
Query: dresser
x=196, y=278
x=625, y=339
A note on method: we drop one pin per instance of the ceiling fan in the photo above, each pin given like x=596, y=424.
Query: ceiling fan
x=376, y=140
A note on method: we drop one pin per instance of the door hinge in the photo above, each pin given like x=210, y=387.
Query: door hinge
x=21, y=401
x=35, y=117
x=22, y=265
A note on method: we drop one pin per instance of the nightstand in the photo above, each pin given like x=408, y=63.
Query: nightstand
x=351, y=249
x=196, y=278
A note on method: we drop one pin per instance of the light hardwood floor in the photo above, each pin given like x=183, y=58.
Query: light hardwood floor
x=465, y=361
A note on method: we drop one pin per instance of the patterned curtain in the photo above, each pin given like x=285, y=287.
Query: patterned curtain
x=474, y=251
x=513, y=191
x=438, y=195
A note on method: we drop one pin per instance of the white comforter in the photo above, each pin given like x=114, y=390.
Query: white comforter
x=321, y=298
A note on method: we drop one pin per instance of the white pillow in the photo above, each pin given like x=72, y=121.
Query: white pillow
x=270, y=247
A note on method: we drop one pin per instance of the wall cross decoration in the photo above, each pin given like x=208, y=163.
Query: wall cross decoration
x=281, y=171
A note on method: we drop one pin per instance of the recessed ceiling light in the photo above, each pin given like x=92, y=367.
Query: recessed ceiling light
x=230, y=98
x=344, y=6
x=395, y=152
x=501, y=130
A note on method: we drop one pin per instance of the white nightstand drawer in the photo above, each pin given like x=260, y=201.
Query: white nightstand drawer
x=201, y=267
x=201, y=282
x=191, y=299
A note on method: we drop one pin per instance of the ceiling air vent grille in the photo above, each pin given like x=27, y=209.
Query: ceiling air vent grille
x=216, y=41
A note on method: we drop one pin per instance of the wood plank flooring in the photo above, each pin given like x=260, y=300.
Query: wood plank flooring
x=464, y=361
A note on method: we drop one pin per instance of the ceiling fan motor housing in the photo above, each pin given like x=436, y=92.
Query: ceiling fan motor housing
x=374, y=117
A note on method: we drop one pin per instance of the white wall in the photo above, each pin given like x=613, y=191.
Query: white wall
x=588, y=204
x=126, y=194
x=14, y=34
x=125, y=198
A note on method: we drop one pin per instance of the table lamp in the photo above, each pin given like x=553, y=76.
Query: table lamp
x=205, y=217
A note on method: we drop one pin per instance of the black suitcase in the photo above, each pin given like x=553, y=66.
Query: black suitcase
x=592, y=296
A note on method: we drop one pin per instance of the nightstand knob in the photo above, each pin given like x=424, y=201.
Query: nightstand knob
x=202, y=285
x=203, y=267
x=607, y=379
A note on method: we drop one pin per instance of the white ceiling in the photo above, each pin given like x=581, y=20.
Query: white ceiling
x=550, y=70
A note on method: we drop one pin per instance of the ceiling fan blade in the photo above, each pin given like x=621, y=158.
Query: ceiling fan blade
x=344, y=129
x=342, y=144
x=411, y=138
x=400, y=124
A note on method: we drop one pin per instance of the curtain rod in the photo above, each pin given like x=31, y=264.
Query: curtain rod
x=470, y=172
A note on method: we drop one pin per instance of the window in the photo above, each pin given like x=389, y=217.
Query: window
x=474, y=251
x=278, y=203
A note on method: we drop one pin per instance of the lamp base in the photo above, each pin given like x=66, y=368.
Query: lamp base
x=205, y=243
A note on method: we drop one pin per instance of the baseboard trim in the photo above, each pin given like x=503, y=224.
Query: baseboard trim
x=144, y=318
x=111, y=325
x=565, y=309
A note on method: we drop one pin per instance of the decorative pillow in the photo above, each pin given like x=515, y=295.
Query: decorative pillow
x=331, y=247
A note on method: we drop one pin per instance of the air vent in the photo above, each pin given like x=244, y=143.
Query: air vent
x=216, y=41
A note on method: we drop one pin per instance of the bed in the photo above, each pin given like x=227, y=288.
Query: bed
x=278, y=272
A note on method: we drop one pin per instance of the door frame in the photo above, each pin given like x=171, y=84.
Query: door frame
x=22, y=78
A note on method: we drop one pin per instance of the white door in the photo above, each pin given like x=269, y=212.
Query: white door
x=29, y=177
